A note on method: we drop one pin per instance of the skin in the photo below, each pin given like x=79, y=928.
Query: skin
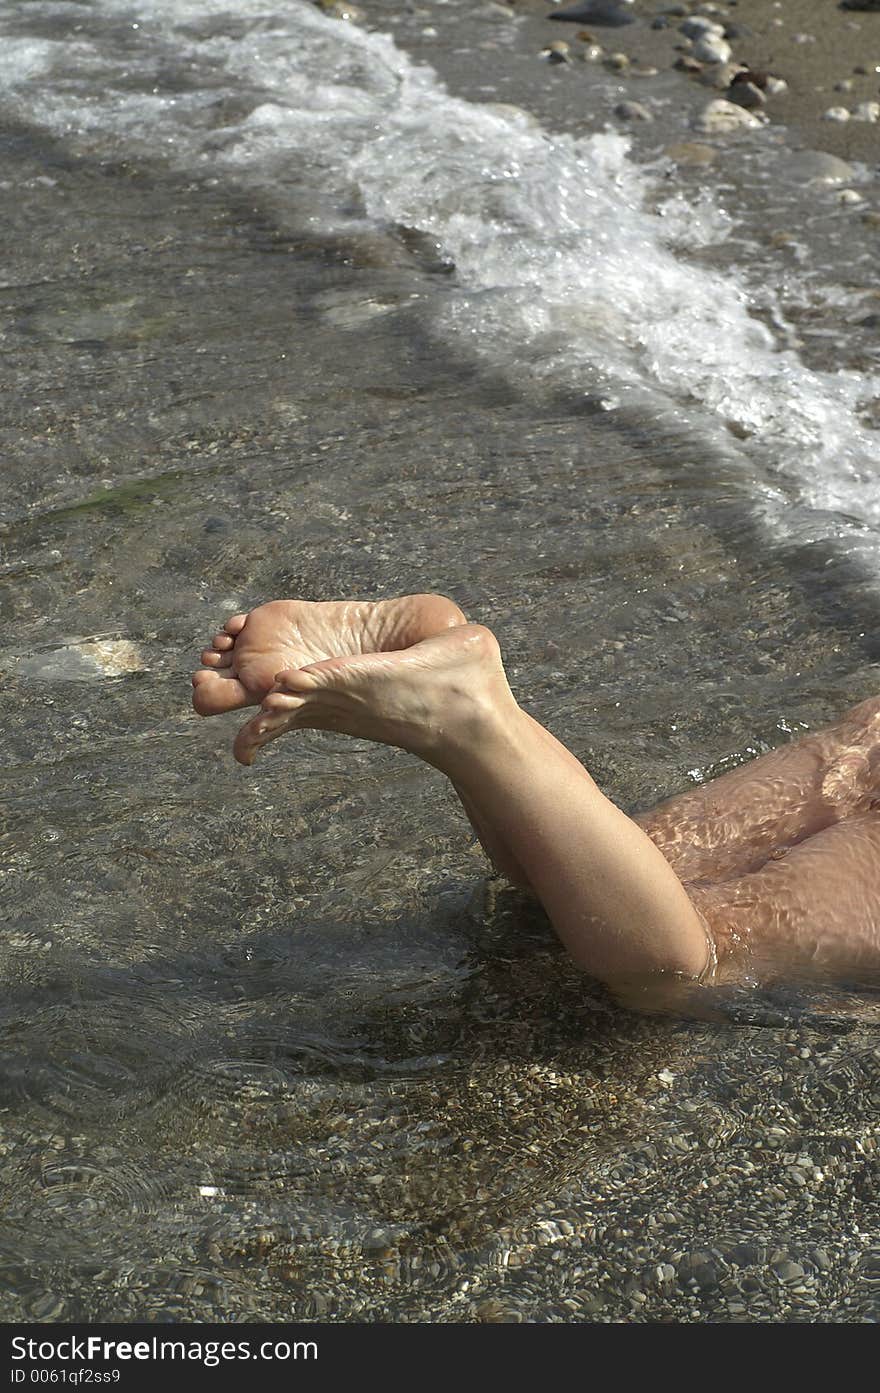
x=770, y=868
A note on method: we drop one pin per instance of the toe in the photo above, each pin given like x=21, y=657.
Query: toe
x=222, y=642
x=235, y=625
x=259, y=731
x=216, y=692
x=212, y=659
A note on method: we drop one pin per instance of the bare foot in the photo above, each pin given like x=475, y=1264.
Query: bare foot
x=435, y=698
x=240, y=666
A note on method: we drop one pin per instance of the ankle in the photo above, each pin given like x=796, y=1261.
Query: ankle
x=483, y=731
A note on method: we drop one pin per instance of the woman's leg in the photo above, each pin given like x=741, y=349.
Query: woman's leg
x=814, y=911
x=611, y=895
x=736, y=823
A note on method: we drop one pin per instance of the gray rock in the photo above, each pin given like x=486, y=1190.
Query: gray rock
x=610, y=12
x=867, y=111
x=632, y=111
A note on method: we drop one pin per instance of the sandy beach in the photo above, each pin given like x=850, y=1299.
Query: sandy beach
x=814, y=46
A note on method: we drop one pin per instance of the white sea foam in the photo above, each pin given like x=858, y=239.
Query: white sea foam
x=563, y=268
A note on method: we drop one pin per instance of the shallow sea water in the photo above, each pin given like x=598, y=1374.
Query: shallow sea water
x=275, y=1044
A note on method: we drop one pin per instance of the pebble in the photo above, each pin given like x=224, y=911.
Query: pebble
x=632, y=111
x=47, y=1306
x=846, y=84
x=339, y=9
x=698, y=26
x=867, y=111
x=835, y=113
x=688, y=65
x=618, y=61
x=746, y=94
x=816, y=166
x=712, y=49
x=691, y=152
x=721, y=117
x=593, y=53
x=721, y=75
x=611, y=12
x=643, y=71
x=849, y=196
x=557, y=52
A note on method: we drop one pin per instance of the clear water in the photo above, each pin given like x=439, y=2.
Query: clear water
x=284, y=315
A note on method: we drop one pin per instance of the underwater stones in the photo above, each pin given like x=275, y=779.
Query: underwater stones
x=691, y=152
x=612, y=13
x=721, y=117
x=836, y=113
x=47, y=1306
x=80, y=660
x=557, y=52
x=632, y=111
x=867, y=111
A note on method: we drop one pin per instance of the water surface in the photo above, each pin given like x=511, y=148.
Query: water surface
x=275, y=1045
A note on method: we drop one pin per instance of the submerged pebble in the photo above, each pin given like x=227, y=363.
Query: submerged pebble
x=836, y=113
x=817, y=166
x=721, y=117
x=632, y=111
x=691, y=152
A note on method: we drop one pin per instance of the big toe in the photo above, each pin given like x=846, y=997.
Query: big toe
x=215, y=692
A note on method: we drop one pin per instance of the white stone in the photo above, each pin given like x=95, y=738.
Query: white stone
x=867, y=111
x=712, y=49
x=721, y=117
x=835, y=113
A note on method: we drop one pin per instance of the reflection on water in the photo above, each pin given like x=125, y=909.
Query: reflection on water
x=272, y=1045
